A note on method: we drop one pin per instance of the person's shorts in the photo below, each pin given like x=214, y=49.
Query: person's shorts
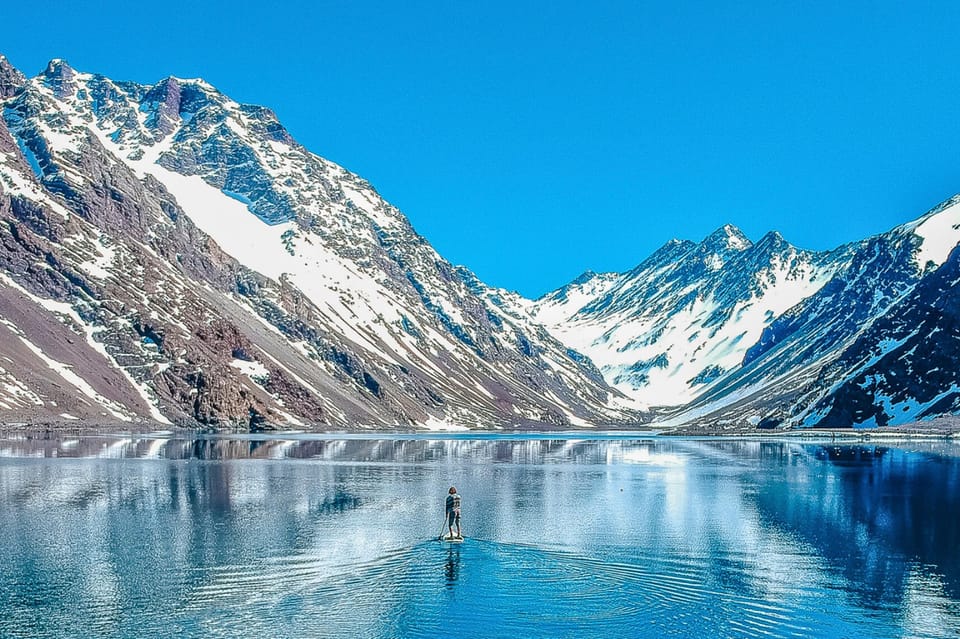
x=453, y=517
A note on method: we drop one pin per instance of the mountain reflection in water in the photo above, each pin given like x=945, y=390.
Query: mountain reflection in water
x=301, y=536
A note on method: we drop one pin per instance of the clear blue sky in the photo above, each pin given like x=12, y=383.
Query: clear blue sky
x=530, y=141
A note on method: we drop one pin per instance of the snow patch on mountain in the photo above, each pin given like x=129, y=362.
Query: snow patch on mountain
x=665, y=331
x=14, y=393
x=938, y=232
x=66, y=311
x=216, y=238
x=232, y=277
x=68, y=375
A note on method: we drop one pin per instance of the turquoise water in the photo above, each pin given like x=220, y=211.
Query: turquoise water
x=609, y=537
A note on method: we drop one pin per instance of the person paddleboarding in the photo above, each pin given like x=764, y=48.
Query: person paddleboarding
x=453, y=513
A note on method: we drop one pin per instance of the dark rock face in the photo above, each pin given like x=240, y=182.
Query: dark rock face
x=59, y=76
x=11, y=80
x=355, y=320
x=806, y=366
x=880, y=270
x=167, y=254
x=905, y=365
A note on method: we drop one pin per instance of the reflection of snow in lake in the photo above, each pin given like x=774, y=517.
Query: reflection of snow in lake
x=302, y=536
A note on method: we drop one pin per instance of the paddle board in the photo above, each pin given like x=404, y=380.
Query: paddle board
x=452, y=540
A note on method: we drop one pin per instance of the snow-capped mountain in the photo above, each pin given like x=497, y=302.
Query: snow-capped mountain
x=816, y=349
x=666, y=330
x=170, y=254
x=731, y=332
x=903, y=367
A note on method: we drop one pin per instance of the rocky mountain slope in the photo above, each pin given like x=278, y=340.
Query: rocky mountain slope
x=903, y=367
x=168, y=255
x=671, y=327
x=171, y=255
x=731, y=333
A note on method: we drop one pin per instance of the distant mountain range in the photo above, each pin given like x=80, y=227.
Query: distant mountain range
x=727, y=331
x=169, y=255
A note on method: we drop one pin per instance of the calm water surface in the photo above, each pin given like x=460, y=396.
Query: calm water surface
x=610, y=537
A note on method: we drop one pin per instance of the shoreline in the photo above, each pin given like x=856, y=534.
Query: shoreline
x=940, y=429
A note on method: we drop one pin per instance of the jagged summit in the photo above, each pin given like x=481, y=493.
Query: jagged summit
x=773, y=241
x=670, y=252
x=11, y=80
x=204, y=268
x=171, y=254
x=200, y=82
x=725, y=241
x=584, y=277
x=697, y=327
x=59, y=76
x=57, y=66
x=58, y=69
x=590, y=275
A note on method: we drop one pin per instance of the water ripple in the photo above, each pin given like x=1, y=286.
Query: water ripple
x=566, y=594
x=738, y=541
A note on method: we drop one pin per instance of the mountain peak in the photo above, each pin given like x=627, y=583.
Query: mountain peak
x=934, y=234
x=166, y=91
x=773, y=239
x=58, y=67
x=11, y=80
x=164, y=98
x=584, y=277
x=672, y=251
x=226, y=225
x=727, y=238
x=200, y=83
x=59, y=76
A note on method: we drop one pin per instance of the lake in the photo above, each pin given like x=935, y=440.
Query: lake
x=606, y=536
